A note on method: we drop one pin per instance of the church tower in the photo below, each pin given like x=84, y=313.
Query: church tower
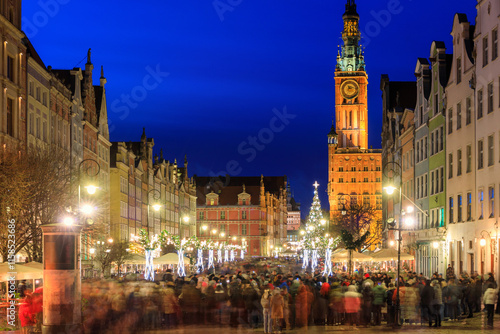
x=351, y=83
x=354, y=170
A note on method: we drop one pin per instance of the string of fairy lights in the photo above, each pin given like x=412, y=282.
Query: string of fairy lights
x=151, y=248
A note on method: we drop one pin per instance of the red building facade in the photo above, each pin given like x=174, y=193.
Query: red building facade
x=250, y=211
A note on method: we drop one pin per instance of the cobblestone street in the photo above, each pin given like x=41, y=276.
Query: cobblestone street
x=474, y=325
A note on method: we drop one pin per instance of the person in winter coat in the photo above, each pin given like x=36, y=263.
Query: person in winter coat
x=286, y=310
x=391, y=307
x=453, y=296
x=410, y=302
x=437, y=302
x=470, y=298
x=265, y=301
x=190, y=300
x=170, y=305
x=251, y=299
x=378, y=302
x=489, y=299
x=352, y=305
x=237, y=302
x=303, y=303
x=277, y=305
x=337, y=303
x=367, y=302
x=426, y=299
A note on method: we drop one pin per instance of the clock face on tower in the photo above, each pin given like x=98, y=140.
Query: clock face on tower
x=349, y=89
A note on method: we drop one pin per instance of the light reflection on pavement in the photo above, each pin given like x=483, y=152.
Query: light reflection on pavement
x=474, y=325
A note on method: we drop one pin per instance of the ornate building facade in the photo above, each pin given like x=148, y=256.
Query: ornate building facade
x=243, y=210
x=354, y=170
x=139, y=181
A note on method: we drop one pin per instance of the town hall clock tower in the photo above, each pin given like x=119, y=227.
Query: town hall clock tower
x=354, y=172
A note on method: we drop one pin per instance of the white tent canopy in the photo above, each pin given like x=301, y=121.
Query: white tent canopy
x=21, y=272
x=136, y=259
x=390, y=254
x=170, y=258
x=343, y=255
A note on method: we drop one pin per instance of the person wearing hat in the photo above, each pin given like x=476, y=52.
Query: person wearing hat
x=265, y=301
x=277, y=305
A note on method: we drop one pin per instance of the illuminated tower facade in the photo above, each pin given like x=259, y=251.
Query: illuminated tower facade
x=355, y=171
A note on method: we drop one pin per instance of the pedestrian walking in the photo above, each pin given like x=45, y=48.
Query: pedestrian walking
x=490, y=298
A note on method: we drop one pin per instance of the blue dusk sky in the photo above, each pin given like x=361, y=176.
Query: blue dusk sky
x=244, y=87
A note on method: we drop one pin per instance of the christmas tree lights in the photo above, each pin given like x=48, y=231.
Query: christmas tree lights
x=315, y=239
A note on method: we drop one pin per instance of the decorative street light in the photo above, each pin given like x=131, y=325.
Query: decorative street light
x=156, y=206
x=343, y=201
x=493, y=243
x=391, y=222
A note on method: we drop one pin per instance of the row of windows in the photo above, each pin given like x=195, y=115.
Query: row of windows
x=483, y=212
x=458, y=117
x=437, y=181
x=421, y=150
x=494, y=47
x=421, y=186
x=433, y=218
x=437, y=141
x=353, y=169
x=38, y=127
x=408, y=160
x=353, y=180
x=342, y=200
x=489, y=100
x=222, y=215
x=37, y=93
x=215, y=230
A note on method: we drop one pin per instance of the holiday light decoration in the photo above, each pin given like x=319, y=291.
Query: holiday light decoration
x=210, y=259
x=226, y=255
x=199, y=262
x=219, y=255
x=327, y=271
x=150, y=247
x=232, y=255
x=305, y=259
x=315, y=240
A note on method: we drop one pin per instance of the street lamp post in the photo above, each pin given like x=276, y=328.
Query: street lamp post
x=390, y=190
x=493, y=246
x=156, y=206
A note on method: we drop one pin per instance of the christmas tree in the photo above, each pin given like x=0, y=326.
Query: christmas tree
x=315, y=225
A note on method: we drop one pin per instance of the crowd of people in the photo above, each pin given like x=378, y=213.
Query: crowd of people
x=279, y=299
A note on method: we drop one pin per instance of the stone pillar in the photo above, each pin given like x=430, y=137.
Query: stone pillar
x=62, y=295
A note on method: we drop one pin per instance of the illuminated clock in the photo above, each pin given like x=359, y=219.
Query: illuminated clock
x=349, y=89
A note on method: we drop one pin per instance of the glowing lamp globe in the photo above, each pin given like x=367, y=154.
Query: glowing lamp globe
x=482, y=242
x=68, y=221
x=91, y=189
x=390, y=190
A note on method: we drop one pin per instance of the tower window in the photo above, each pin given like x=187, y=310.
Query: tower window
x=485, y=51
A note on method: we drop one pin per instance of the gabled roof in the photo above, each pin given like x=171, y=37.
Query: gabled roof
x=30, y=49
x=229, y=187
x=66, y=78
x=402, y=94
x=98, y=91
